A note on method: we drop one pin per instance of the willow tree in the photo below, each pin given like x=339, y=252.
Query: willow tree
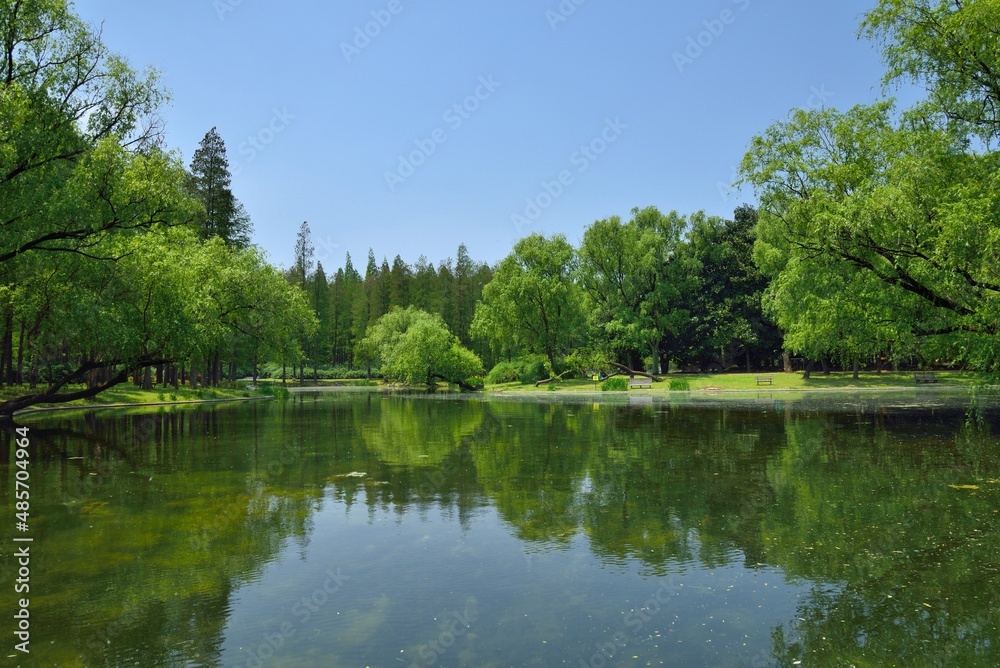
x=416, y=347
x=909, y=202
x=633, y=278
x=533, y=303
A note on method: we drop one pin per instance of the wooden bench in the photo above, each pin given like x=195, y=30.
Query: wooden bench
x=764, y=379
x=640, y=381
x=925, y=377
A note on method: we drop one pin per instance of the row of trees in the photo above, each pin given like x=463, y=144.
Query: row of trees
x=642, y=293
x=654, y=289
x=115, y=260
x=878, y=233
x=347, y=303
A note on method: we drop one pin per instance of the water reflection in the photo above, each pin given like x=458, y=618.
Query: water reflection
x=519, y=532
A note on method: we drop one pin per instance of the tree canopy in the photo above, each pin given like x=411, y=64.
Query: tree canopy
x=881, y=226
x=414, y=347
x=533, y=304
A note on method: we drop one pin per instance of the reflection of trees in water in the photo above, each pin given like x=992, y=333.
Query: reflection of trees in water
x=186, y=506
x=678, y=485
x=150, y=564
x=904, y=523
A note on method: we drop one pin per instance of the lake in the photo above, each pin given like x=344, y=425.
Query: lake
x=371, y=529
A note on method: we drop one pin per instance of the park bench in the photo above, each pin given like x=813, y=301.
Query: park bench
x=925, y=377
x=640, y=381
x=764, y=379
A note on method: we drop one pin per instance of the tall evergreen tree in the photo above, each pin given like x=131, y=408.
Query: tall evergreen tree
x=399, y=283
x=302, y=267
x=464, y=295
x=384, y=288
x=320, y=296
x=211, y=181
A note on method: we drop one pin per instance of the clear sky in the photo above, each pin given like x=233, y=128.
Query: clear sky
x=447, y=118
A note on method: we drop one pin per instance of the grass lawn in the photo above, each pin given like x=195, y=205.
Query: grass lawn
x=746, y=382
x=127, y=393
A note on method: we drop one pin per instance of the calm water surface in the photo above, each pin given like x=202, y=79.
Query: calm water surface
x=355, y=529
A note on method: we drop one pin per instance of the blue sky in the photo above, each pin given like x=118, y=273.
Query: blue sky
x=583, y=110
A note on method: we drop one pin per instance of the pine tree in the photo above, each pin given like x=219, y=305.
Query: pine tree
x=399, y=284
x=320, y=348
x=302, y=266
x=224, y=215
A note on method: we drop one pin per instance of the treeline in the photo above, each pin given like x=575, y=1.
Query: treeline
x=656, y=290
x=350, y=300
x=644, y=293
x=116, y=262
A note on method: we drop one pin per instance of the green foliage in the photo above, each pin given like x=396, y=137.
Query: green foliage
x=532, y=368
x=680, y=385
x=878, y=229
x=951, y=49
x=726, y=320
x=504, y=372
x=415, y=347
x=615, y=384
x=533, y=305
x=223, y=215
x=634, y=279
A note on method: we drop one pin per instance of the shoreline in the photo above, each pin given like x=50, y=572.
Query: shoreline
x=185, y=402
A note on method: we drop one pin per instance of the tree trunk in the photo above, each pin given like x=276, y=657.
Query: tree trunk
x=747, y=351
x=857, y=368
x=826, y=367
x=194, y=375
x=631, y=372
x=809, y=368
x=786, y=361
x=147, y=379
x=20, y=355
x=7, y=347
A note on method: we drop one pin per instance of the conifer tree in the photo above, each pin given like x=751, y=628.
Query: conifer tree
x=211, y=181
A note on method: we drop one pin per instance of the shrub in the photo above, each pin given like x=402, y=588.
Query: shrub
x=532, y=369
x=477, y=382
x=615, y=384
x=503, y=372
x=679, y=385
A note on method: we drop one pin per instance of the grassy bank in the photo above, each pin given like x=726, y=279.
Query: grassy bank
x=746, y=382
x=128, y=394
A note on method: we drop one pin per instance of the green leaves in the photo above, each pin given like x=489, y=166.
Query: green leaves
x=415, y=347
x=533, y=303
x=633, y=279
x=951, y=48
